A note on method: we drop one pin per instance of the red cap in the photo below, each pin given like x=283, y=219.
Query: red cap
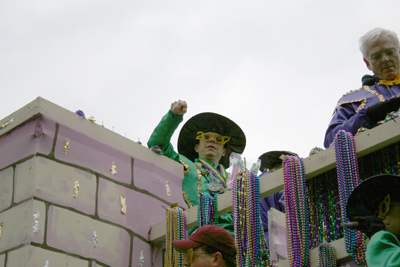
x=211, y=235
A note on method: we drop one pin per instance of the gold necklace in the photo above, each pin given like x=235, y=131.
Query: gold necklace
x=168, y=256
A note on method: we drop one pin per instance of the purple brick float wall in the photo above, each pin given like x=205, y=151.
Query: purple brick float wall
x=37, y=177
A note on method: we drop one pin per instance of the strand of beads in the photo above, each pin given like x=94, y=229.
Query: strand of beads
x=326, y=255
x=249, y=238
x=237, y=191
x=296, y=211
x=215, y=215
x=348, y=179
x=205, y=210
x=169, y=250
x=265, y=261
x=176, y=236
x=176, y=230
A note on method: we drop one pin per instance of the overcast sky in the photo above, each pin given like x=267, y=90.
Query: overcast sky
x=276, y=68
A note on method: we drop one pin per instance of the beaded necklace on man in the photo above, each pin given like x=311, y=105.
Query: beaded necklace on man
x=207, y=212
x=214, y=173
x=348, y=179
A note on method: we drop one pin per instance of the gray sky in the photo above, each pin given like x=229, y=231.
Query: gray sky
x=276, y=68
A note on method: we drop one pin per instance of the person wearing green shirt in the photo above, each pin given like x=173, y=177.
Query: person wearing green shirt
x=205, y=143
x=374, y=209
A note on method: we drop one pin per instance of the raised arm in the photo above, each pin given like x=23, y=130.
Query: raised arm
x=163, y=132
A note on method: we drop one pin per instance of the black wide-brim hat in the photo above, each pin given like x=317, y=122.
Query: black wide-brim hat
x=272, y=158
x=367, y=196
x=210, y=122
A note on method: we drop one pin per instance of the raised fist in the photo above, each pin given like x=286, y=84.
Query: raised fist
x=179, y=107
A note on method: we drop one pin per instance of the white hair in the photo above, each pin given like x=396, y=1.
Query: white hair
x=374, y=35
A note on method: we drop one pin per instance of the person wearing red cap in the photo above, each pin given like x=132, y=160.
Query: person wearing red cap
x=209, y=245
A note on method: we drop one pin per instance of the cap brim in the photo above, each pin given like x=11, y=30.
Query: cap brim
x=183, y=245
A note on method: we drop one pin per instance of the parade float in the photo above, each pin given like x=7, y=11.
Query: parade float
x=73, y=193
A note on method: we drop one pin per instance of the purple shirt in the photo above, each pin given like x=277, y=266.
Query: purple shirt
x=276, y=201
x=350, y=113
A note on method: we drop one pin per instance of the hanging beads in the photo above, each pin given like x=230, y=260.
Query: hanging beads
x=206, y=208
x=176, y=230
x=348, y=179
x=326, y=255
x=296, y=211
x=249, y=238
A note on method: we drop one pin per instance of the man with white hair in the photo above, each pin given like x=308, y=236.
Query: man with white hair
x=367, y=106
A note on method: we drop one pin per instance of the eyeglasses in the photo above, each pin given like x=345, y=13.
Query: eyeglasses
x=384, y=207
x=219, y=139
x=378, y=55
x=190, y=255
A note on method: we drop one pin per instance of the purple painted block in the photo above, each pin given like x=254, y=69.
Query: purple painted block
x=142, y=210
x=89, y=153
x=22, y=142
x=153, y=179
x=141, y=253
x=6, y=188
x=95, y=264
x=47, y=137
x=54, y=182
x=74, y=233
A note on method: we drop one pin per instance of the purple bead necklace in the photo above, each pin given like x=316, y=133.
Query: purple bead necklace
x=348, y=179
x=296, y=211
x=176, y=230
x=249, y=239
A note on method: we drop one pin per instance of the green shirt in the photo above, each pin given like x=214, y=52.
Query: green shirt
x=383, y=250
x=161, y=137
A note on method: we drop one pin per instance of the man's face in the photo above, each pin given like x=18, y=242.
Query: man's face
x=383, y=58
x=210, y=150
x=200, y=259
x=392, y=219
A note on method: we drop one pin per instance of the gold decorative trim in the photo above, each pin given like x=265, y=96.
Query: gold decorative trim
x=352, y=91
x=76, y=189
x=186, y=168
x=4, y=125
x=168, y=188
x=198, y=165
x=363, y=101
x=367, y=88
x=186, y=198
x=123, y=203
x=113, y=168
x=66, y=146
